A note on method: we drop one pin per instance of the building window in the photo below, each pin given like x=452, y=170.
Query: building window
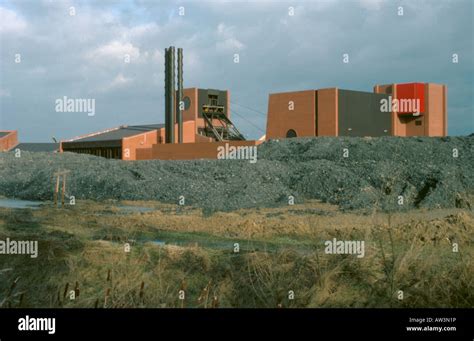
x=418, y=122
x=187, y=102
x=291, y=133
x=212, y=99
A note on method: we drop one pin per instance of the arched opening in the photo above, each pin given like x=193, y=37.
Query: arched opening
x=291, y=133
x=187, y=102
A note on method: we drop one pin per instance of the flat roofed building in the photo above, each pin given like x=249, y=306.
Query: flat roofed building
x=116, y=143
x=410, y=109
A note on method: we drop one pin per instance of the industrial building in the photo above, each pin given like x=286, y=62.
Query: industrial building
x=8, y=140
x=206, y=125
x=44, y=147
x=116, y=143
x=197, y=122
x=410, y=109
x=202, y=123
x=433, y=117
x=205, y=119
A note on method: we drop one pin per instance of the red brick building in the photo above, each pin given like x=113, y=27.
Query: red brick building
x=337, y=112
x=8, y=140
x=206, y=126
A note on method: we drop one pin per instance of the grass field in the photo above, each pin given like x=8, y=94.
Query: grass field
x=184, y=257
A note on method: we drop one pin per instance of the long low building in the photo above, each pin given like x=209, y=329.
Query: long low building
x=115, y=143
x=206, y=119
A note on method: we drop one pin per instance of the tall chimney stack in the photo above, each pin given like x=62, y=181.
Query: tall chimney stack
x=179, y=99
x=170, y=116
x=167, y=93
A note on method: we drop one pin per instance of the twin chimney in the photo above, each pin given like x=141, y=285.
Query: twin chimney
x=173, y=96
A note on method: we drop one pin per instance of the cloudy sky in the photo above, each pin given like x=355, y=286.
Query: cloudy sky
x=83, y=56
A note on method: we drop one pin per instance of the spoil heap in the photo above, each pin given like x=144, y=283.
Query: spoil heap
x=375, y=172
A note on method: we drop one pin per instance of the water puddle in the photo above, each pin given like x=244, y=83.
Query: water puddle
x=134, y=209
x=17, y=203
x=206, y=241
x=159, y=242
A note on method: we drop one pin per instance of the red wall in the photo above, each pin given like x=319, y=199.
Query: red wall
x=143, y=151
x=411, y=91
x=328, y=112
x=144, y=140
x=8, y=141
x=188, y=151
x=302, y=119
